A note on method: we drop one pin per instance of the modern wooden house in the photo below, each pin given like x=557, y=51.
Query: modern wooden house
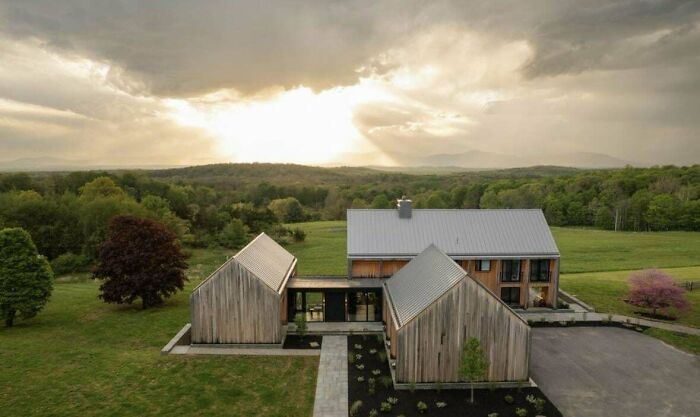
x=432, y=307
x=511, y=252
x=245, y=300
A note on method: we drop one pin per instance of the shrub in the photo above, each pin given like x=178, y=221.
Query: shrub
x=373, y=413
x=26, y=280
x=300, y=323
x=492, y=415
x=520, y=412
x=351, y=357
x=412, y=387
x=358, y=346
x=508, y=399
x=438, y=387
x=360, y=378
x=298, y=235
x=380, y=338
x=537, y=402
x=125, y=262
x=422, y=407
x=492, y=387
x=70, y=263
x=440, y=404
x=372, y=351
x=371, y=386
x=392, y=400
x=386, y=381
x=360, y=366
x=355, y=408
x=376, y=372
x=358, y=356
x=381, y=356
x=385, y=407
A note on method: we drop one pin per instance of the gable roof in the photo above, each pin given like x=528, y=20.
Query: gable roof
x=267, y=260
x=422, y=281
x=478, y=232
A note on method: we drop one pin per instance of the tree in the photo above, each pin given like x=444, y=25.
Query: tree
x=287, y=210
x=381, y=202
x=663, y=212
x=26, y=280
x=234, y=235
x=139, y=259
x=654, y=289
x=474, y=364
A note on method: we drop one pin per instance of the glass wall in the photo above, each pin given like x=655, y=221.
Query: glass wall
x=309, y=303
x=365, y=305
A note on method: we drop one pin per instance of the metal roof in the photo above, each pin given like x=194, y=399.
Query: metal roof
x=484, y=232
x=422, y=281
x=267, y=260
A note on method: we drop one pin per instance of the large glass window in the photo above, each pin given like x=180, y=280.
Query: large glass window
x=539, y=270
x=510, y=270
x=364, y=306
x=538, y=297
x=309, y=303
x=511, y=295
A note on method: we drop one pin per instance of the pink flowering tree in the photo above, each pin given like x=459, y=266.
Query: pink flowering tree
x=655, y=290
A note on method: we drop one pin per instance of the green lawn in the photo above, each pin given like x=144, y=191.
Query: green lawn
x=605, y=290
x=587, y=250
x=81, y=357
x=582, y=250
x=686, y=342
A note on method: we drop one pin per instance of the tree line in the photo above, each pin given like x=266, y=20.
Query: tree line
x=68, y=213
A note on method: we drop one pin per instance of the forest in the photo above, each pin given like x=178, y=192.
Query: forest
x=222, y=205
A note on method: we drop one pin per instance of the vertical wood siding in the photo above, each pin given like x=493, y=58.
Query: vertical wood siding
x=234, y=306
x=366, y=269
x=429, y=347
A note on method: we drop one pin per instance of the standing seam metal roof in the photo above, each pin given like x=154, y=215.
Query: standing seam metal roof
x=422, y=281
x=267, y=260
x=499, y=232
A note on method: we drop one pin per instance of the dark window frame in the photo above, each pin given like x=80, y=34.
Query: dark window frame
x=513, y=274
x=479, y=265
x=508, y=299
x=540, y=270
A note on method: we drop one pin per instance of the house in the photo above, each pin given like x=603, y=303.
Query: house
x=432, y=307
x=245, y=300
x=511, y=252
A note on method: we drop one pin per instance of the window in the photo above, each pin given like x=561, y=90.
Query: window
x=510, y=270
x=539, y=270
x=511, y=295
x=483, y=265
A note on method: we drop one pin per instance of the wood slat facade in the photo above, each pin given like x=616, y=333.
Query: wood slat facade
x=428, y=348
x=234, y=306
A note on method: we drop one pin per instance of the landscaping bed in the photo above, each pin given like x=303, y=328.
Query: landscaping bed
x=294, y=341
x=367, y=359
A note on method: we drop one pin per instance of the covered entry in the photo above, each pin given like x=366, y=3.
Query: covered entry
x=335, y=299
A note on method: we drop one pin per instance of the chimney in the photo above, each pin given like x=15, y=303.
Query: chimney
x=404, y=206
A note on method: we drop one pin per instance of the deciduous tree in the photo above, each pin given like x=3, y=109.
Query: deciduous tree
x=140, y=259
x=655, y=290
x=474, y=364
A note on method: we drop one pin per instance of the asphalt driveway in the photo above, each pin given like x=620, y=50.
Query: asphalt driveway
x=605, y=371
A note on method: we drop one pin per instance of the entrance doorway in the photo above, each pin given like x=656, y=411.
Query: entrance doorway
x=335, y=306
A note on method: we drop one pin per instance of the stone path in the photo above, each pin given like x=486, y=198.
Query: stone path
x=332, y=383
x=204, y=350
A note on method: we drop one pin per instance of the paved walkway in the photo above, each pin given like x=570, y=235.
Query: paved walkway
x=203, y=350
x=332, y=383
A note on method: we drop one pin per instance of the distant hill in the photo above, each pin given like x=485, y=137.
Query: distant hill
x=46, y=164
x=492, y=160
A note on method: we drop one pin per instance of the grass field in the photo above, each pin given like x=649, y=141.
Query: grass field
x=685, y=342
x=606, y=290
x=81, y=357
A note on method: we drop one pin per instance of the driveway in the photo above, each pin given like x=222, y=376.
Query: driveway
x=606, y=371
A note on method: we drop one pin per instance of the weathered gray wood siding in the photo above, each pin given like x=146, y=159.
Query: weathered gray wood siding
x=429, y=347
x=234, y=306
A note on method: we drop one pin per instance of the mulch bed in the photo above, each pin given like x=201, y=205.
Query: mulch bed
x=293, y=341
x=457, y=401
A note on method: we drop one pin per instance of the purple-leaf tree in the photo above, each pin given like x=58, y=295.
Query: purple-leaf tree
x=655, y=290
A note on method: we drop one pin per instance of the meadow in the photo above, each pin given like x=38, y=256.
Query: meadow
x=82, y=357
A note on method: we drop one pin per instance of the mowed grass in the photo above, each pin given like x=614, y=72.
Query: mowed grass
x=605, y=291
x=582, y=250
x=685, y=342
x=587, y=250
x=82, y=357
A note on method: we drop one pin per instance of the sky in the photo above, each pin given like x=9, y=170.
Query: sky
x=473, y=83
